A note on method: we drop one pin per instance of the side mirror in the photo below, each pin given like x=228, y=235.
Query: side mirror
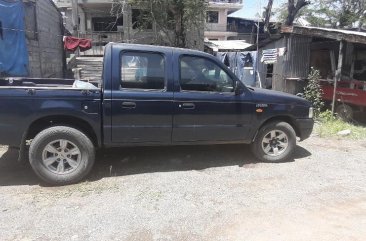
x=238, y=89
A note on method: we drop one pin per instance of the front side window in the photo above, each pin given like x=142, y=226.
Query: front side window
x=201, y=74
x=142, y=71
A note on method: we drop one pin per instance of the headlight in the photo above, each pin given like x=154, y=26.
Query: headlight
x=311, y=112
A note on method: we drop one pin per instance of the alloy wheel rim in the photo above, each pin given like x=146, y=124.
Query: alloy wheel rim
x=61, y=157
x=275, y=143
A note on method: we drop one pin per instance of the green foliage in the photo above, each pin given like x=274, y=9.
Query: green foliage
x=326, y=116
x=313, y=91
x=331, y=13
x=329, y=126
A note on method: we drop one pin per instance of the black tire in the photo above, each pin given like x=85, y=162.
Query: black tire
x=345, y=112
x=74, y=167
x=266, y=152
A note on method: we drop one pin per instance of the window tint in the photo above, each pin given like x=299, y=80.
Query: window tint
x=142, y=71
x=200, y=74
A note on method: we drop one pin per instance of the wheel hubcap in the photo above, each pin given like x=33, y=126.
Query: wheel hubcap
x=61, y=157
x=275, y=143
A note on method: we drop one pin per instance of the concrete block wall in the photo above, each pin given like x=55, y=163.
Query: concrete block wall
x=46, y=54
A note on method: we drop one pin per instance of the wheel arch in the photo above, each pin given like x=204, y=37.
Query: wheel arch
x=288, y=119
x=45, y=122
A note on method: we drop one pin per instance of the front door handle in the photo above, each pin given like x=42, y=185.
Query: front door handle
x=128, y=105
x=188, y=106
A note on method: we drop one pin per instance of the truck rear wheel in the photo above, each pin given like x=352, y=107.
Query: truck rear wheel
x=275, y=142
x=61, y=155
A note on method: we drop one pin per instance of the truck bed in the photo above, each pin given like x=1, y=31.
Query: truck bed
x=27, y=100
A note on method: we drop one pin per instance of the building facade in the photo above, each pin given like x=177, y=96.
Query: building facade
x=217, y=19
x=97, y=23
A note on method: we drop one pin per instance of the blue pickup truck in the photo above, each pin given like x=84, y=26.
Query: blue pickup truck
x=148, y=96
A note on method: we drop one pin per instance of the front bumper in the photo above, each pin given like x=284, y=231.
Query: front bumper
x=304, y=128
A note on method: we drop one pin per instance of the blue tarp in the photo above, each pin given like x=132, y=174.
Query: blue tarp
x=13, y=48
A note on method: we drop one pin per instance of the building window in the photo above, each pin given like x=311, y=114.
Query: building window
x=201, y=74
x=269, y=71
x=140, y=19
x=212, y=17
x=106, y=24
x=142, y=71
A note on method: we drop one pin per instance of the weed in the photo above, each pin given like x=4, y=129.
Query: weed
x=329, y=126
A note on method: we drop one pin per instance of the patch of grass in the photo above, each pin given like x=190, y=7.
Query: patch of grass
x=329, y=126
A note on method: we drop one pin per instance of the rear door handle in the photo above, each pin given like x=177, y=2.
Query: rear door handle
x=128, y=105
x=188, y=106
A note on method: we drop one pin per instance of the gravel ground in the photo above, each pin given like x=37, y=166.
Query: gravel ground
x=194, y=193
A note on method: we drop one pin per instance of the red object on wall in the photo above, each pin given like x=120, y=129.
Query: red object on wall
x=72, y=43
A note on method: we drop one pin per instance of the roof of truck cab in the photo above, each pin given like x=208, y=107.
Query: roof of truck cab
x=159, y=48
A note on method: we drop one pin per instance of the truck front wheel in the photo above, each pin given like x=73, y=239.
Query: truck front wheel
x=61, y=155
x=275, y=142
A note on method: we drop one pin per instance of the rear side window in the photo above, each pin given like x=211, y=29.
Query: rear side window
x=142, y=71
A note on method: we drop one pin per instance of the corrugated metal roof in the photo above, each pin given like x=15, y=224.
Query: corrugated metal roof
x=328, y=33
x=338, y=31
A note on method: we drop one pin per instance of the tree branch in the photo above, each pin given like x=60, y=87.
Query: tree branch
x=293, y=10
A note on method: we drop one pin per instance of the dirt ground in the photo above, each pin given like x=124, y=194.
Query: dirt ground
x=194, y=193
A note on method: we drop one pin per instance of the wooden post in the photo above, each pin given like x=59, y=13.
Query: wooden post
x=338, y=74
x=75, y=17
x=75, y=21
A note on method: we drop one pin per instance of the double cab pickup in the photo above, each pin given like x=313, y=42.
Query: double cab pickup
x=148, y=96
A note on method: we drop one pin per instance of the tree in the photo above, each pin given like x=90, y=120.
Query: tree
x=268, y=14
x=338, y=13
x=293, y=9
x=332, y=13
x=176, y=20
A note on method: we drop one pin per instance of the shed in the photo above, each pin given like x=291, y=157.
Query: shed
x=301, y=48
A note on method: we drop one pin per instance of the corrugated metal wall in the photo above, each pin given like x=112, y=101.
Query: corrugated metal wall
x=348, y=60
x=262, y=68
x=294, y=64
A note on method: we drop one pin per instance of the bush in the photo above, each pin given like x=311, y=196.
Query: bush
x=326, y=116
x=313, y=91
